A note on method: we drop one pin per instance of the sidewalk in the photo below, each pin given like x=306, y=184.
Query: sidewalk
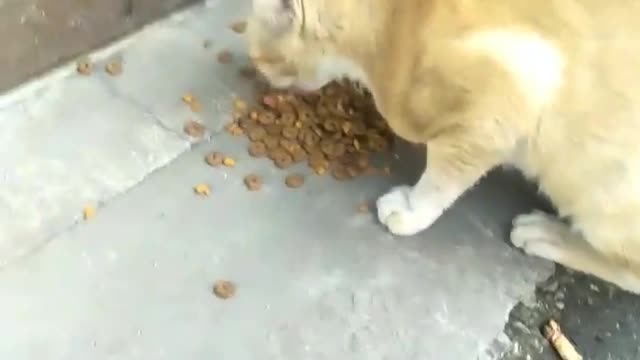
x=315, y=278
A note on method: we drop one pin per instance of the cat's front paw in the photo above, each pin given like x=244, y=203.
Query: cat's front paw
x=396, y=212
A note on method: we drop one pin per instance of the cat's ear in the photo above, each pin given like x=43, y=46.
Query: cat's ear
x=278, y=14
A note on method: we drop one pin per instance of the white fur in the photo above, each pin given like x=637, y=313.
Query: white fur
x=536, y=64
x=335, y=67
x=407, y=210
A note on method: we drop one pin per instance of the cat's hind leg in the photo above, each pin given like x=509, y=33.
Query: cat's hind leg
x=544, y=235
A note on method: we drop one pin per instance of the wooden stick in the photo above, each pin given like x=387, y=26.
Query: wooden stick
x=560, y=343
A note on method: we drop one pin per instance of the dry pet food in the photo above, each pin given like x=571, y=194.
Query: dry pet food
x=114, y=68
x=89, y=212
x=363, y=208
x=334, y=130
x=239, y=27
x=228, y=162
x=192, y=101
x=257, y=149
x=252, y=182
x=224, y=289
x=202, y=189
x=234, y=129
x=84, y=67
x=294, y=180
x=225, y=57
x=214, y=159
x=194, y=129
x=248, y=72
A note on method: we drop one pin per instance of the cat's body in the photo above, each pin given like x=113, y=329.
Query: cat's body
x=550, y=87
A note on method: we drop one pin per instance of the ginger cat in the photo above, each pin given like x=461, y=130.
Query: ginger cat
x=551, y=87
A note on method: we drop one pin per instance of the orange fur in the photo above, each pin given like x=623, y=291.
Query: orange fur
x=549, y=87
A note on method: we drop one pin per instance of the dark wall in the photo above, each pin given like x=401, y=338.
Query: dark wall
x=36, y=35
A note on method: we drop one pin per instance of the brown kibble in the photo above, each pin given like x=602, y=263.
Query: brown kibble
x=248, y=72
x=317, y=159
x=298, y=155
x=194, y=129
x=225, y=57
x=294, y=181
x=234, y=129
x=214, y=159
x=224, y=289
x=188, y=98
x=252, y=182
x=274, y=129
x=271, y=142
x=353, y=171
x=202, y=190
x=290, y=132
x=240, y=105
x=281, y=158
x=266, y=118
x=271, y=101
x=333, y=130
x=320, y=170
x=89, y=212
x=363, y=208
x=239, y=27
x=84, y=67
x=195, y=106
x=257, y=149
x=114, y=68
x=257, y=134
x=228, y=162
x=340, y=173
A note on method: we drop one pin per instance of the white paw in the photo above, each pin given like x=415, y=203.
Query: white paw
x=540, y=234
x=396, y=212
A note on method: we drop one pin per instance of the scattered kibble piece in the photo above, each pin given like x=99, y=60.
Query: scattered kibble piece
x=240, y=105
x=294, y=181
x=194, y=129
x=253, y=182
x=202, y=189
x=228, y=162
x=248, y=72
x=257, y=149
x=224, y=289
x=114, y=68
x=363, y=208
x=239, y=27
x=84, y=66
x=234, y=129
x=89, y=212
x=188, y=98
x=214, y=159
x=225, y=57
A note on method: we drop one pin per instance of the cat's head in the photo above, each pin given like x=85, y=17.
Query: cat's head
x=289, y=46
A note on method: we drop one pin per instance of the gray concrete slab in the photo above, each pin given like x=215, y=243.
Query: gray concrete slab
x=69, y=140
x=316, y=279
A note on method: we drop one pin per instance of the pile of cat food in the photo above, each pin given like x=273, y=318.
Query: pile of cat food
x=334, y=130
